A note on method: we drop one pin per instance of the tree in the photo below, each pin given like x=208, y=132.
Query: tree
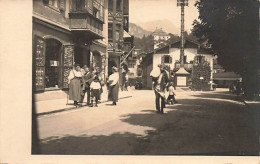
x=200, y=76
x=230, y=28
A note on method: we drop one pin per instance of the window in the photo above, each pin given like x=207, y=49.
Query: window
x=78, y=5
x=96, y=12
x=110, y=5
x=166, y=59
x=184, y=59
x=118, y=5
x=53, y=3
x=199, y=59
x=110, y=31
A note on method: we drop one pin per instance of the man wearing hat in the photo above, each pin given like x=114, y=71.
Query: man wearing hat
x=87, y=79
x=113, y=85
x=160, y=79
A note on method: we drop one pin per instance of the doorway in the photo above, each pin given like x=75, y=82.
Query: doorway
x=53, y=63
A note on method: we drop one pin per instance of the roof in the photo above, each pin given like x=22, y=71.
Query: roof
x=226, y=76
x=182, y=71
x=201, y=49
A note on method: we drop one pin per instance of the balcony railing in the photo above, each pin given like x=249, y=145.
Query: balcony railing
x=186, y=65
x=91, y=7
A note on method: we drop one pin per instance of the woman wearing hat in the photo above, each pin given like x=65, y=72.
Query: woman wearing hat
x=75, y=89
x=113, y=86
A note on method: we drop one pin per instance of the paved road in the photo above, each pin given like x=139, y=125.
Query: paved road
x=202, y=123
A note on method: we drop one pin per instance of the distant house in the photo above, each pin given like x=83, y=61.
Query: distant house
x=223, y=78
x=159, y=37
x=170, y=55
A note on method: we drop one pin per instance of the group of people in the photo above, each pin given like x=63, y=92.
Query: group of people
x=162, y=84
x=84, y=82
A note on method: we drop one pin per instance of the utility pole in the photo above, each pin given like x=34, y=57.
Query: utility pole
x=182, y=3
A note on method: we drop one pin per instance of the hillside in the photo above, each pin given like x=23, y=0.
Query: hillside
x=138, y=31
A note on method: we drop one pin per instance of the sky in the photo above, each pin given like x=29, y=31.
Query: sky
x=147, y=10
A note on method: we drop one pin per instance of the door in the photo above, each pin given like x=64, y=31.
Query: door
x=53, y=63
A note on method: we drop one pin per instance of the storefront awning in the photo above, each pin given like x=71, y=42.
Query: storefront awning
x=126, y=35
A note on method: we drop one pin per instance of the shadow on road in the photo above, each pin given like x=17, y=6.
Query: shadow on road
x=224, y=95
x=191, y=127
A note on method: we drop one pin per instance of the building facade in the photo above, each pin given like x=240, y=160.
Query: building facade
x=120, y=43
x=66, y=32
x=169, y=55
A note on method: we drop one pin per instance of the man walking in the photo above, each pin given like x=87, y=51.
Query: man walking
x=160, y=81
x=87, y=79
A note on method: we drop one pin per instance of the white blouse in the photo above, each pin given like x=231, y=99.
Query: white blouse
x=74, y=73
x=114, y=78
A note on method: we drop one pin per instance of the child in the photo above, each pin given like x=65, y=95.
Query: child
x=171, y=97
x=95, y=89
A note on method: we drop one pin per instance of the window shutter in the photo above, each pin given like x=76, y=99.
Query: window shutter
x=67, y=65
x=170, y=59
x=39, y=64
x=203, y=59
x=62, y=5
x=162, y=60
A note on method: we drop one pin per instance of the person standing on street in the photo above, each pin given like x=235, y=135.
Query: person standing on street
x=113, y=86
x=75, y=89
x=160, y=80
x=87, y=79
x=95, y=89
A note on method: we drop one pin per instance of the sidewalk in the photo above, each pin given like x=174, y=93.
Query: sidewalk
x=56, y=101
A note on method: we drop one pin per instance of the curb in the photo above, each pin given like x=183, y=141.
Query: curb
x=72, y=108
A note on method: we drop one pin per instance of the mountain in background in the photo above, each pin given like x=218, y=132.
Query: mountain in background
x=165, y=24
x=138, y=31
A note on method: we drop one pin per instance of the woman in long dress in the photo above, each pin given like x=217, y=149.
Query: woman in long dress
x=113, y=86
x=75, y=89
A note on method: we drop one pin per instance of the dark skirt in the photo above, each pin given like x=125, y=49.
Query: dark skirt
x=75, y=89
x=113, y=93
x=95, y=93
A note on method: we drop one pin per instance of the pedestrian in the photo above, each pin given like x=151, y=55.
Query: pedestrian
x=160, y=79
x=113, y=85
x=95, y=89
x=171, y=98
x=101, y=81
x=75, y=89
x=87, y=79
x=123, y=88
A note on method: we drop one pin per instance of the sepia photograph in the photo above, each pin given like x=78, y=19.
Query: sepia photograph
x=145, y=77
x=130, y=79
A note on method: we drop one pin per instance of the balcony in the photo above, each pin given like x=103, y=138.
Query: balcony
x=187, y=66
x=118, y=16
x=87, y=16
